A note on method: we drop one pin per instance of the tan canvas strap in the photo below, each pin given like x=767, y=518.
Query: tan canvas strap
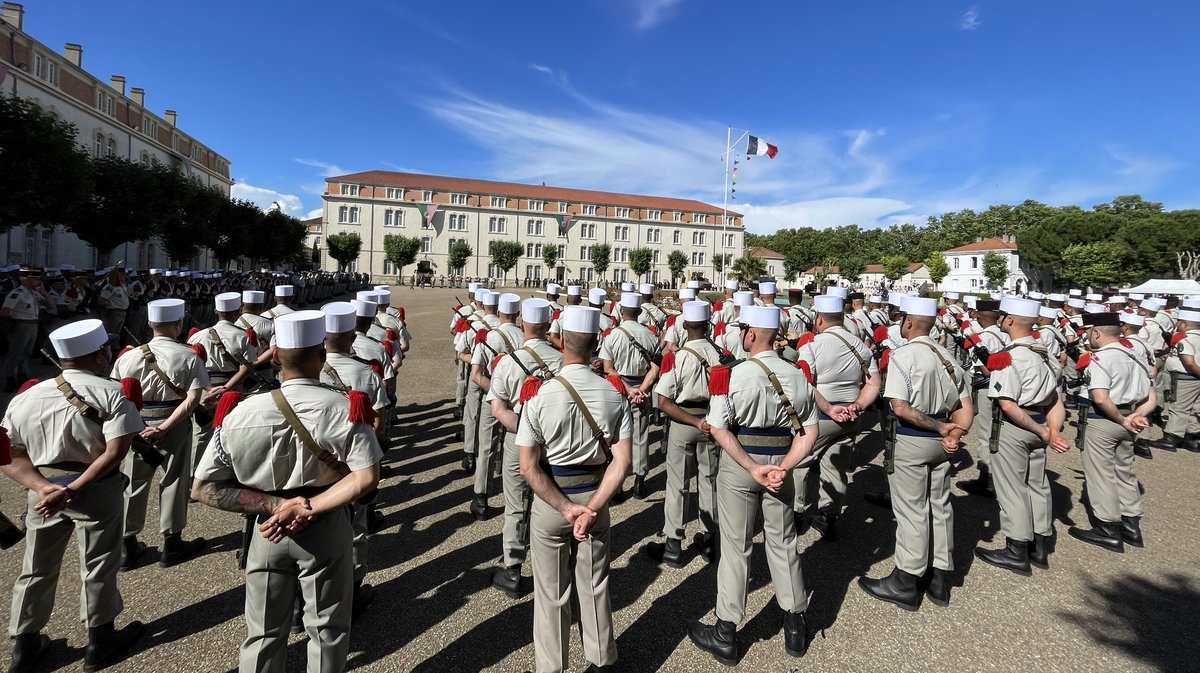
x=1040, y=350
x=946, y=364
x=793, y=417
x=507, y=342
x=152, y=363
x=225, y=354
x=85, y=409
x=538, y=359
x=640, y=349
x=703, y=363
x=305, y=436
x=863, y=363
x=587, y=416
x=337, y=378
x=246, y=323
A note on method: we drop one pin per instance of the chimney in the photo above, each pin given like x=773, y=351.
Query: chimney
x=74, y=54
x=169, y=115
x=13, y=14
x=138, y=95
x=117, y=82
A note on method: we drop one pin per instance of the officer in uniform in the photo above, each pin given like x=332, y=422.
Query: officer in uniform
x=370, y=349
x=516, y=378
x=763, y=414
x=474, y=405
x=506, y=338
x=21, y=308
x=294, y=459
x=847, y=382
x=1183, y=370
x=172, y=379
x=68, y=437
x=990, y=339
x=1027, y=419
x=930, y=412
x=800, y=317
x=629, y=351
x=596, y=299
x=574, y=442
x=1119, y=385
x=114, y=301
x=285, y=295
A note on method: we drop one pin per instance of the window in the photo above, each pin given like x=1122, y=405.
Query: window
x=956, y=262
x=974, y=262
x=492, y=270
x=144, y=157
x=697, y=259
x=195, y=152
x=562, y=251
x=729, y=240
x=677, y=216
x=654, y=235
x=623, y=212
x=658, y=257
x=349, y=190
x=426, y=244
x=698, y=237
x=348, y=215
x=497, y=225
x=458, y=222
x=539, y=206
x=427, y=196
x=620, y=254
x=395, y=193
x=653, y=214
x=110, y=148
x=387, y=267
x=149, y=127
x=535, y=228
x=585, y=253
x=533, y=249
x=677, y=237
x=587, y=230
x=620, y=233
x=99, y=146
x=104, y=102
x=589, y=210
x=499, y=202
x=175, y=141
x=393, y=218
x=45, y=69
x=562, y=207
x=458, y=199
x=700, y=219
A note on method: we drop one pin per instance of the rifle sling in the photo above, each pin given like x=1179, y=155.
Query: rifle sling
x=306, y=437
x=793, y=417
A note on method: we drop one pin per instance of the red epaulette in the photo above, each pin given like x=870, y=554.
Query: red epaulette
x=1037, y=334
x=496, y=360
x=124, y=351
x=605, y=333
x=200, y=352
x=229, y=400
x=668, y=362
x=389, y=333
x=1126, y=343
x=481, y=335
x=461, y=326
x=617, y=384
x=881, y=334
x=27, y=385
x=252, y=336
x=555, y=314
x=360, y=408
x=941, y=311
x=998, y=361
x=670, y=321
x=718, y=380
x=192, y=332
x=719, y=329
x=529, y=389
x=1177, y=337
x=376, y=366
x=389, y=348
x=653, y=329
x=805, y=339
x=400, y=313
x=803, y=366
x=1083, y=361
x=718, y=306
x=132, y=389
x=885, y=359
x=971, y=341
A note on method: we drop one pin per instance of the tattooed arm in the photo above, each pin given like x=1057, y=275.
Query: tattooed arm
x=232, y=497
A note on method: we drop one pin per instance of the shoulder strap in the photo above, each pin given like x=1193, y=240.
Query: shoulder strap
x=538, y=359
x=305, y=436
x=507, y=342
x=152, y=363
x=215, y=337
x=793, y=417
x=337, y=378
x=864, y=364
x=86, y=410
x=640, y=349
x=945, y=363
x=587, y=416
x=703, y=362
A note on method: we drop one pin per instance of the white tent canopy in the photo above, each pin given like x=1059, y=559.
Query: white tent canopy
x=1166, y=286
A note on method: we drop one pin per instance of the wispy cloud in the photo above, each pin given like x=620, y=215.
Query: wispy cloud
x=327, y=169
x=263, y=197
x=970, y=20
x=651, y=13
x=544, y=69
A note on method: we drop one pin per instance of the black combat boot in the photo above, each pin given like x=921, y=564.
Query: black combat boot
x=1141, y=449
x=1104, y=534
x=1173, y=442
x=938, y=591
x=106, y=644
x=639, y=486
x=479, y=506
x=1014, y=556
x=1192, y=443
x=597, y=668
x=708, y=547
x=795, y=634
x=882, y=499
x=364, y=595
x=1039, y=551
x=826, y=524
x=899, y=588
x=508, y=580
x=131, y=550
x=176, y=551
x=1131, y=530
x=673, y=553
x=1164, y=443
x=468, y=463
x=28, y=649
x=981, y=485
x=718, y=640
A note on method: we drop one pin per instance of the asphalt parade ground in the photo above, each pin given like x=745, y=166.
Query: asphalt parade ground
x=435, y=609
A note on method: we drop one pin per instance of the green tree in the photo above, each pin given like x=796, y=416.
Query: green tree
x=995, y=268
x=278, y=239
x=851, y=268
x=794, y=264
x=677, y=262
x=937, y=266
x=344, y=247
x=188, y=224
x=400, y=251
x=125, y=206
x=600, y=258
x=550, y=258
x=315, y=259
x=722, y=262
x=505, y=255
x=231, y=240
x=894, y=266
x=460, y=252
x=640, y=260
x=1095, y=264
x=45, y=179
x=749, y=268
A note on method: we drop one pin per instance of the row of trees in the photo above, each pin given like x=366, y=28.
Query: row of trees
x=46, y=180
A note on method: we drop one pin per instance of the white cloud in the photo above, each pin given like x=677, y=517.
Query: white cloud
x=315, y=212
x=264, y=197
x=544, y=69
x=970, y=20
x=651, y=13
x=866, y=212
x=327, y=169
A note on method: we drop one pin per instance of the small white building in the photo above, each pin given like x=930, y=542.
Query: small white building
x=966, y=266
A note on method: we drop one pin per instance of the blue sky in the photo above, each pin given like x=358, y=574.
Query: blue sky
x=883, y=111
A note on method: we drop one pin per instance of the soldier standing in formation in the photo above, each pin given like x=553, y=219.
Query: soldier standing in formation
x=1183, y=371
x=22, y=308
x=505, y=338
x=487, y=320
x=629, y=351
x=981, y=344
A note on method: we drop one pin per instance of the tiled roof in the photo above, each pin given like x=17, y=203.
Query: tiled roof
x=765, y=253
x=817, y=269
x=544, y=192
x=985, y=245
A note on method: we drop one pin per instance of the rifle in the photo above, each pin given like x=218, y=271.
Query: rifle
x=132, y=337
x=248, y=531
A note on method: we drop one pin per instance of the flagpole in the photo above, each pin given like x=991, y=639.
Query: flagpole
x=725, y=204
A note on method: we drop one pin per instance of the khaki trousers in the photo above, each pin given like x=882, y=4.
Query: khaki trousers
x=827, y=484
x=1185, y=410
x=173, y=488
x=22, y=337
x=460, y=383
x=983, y=427
x=517, y=503
x=1019, y=475
x=920, y=485
x=641, y=438
x=95, y=518
x=488, y=448
x=690, y=451
x=114, y=320
x=359, y=516
x=317, y=562
x=471, y=418
x=1112, y=489
x=552, y=547
x=739, y=499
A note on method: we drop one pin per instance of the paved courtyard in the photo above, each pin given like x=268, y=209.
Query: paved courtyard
x=435, y=609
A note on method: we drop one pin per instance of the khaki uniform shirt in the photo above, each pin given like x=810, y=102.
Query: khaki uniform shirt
x=652, y=315
x=44, y=426
x=1190, y=345
x=675, y=333
x=1164, y=321
x=626, y=358
x=257, y=448
x=917, y=376
x=117, y=296
x=1052, y=339
x=1115, y=369
x=235, y=342
x=508, y=377
x=731, y=341
x=726, y=314
x=688, y=379
x=800, y=319
x=180, y=363
x=752, y=402
x=350, y=374
x=837, y=369
x=1029, y=380
x=552, y=420
x=370, y=349
x=280, y=309
x=24, y=303
x=505, y=338
x=1154, y=336
x=263, y=328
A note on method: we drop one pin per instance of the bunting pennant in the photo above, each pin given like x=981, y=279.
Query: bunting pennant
x=564, y=223
x=431, y=210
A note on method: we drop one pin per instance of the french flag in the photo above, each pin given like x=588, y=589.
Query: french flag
x=757, y=147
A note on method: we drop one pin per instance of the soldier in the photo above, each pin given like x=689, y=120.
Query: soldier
x=982, y=344
x=652, y=315
x=285, y=295
x=574, y=296
x=728, y=336
x=951, y=319
x=505, y=338
x=683, y=395
x=68, y=437
x=847, y=382
x=930, y=405
x=294, y=459
x=596, y=299
x=1183, y=425
x=114, y=301
x=227, y=355
x=21, y=308
x=801, y=318
x=386, y=319
x=552, y=292
x=763, y=415
x=1048, y=334
x=1027, y=419
x=259, y=330
x=515, y=380
x=1119, y=385
x=725, y=311
x=368, y=348
x=574, y=442
x=673, y=333
x=172, y=380
x=474, y=405
x=629, y=351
